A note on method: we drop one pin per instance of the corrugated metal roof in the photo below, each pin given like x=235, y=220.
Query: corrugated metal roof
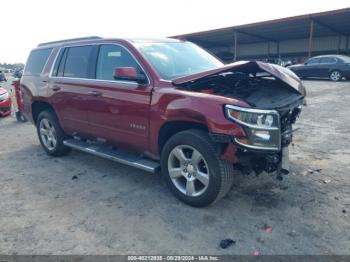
x=325, y=24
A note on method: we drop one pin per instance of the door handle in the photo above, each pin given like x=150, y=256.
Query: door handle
x=95, y=93
x=55, y=88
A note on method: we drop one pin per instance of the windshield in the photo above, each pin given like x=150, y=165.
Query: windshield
x=177, y=59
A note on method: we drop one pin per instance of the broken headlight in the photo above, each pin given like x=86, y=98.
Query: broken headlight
x=262, y=127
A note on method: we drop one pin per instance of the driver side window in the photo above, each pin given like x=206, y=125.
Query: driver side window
x=111, y=57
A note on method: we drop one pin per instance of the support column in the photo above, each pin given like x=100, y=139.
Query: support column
x=339, y=44
x=235, y=46
x=311, y=32
x=347, y=46
x=278, y=49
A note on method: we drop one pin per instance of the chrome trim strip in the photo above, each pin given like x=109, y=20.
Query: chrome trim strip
x=256, y=147
x=54, y=62
x=142, y=163
x=96, y=80
x=110, y=81
x=253, y=110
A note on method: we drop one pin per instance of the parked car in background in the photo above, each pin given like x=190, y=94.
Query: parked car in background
x=2, y=77
x=163, y=104
x=17, y=73
x=279, y=61
x=334, y=67
x=5, y=103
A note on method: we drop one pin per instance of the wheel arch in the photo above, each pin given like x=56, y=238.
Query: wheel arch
x=171, y=128
x=39, y=106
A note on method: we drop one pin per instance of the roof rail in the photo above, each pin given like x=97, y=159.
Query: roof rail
x=70, y=40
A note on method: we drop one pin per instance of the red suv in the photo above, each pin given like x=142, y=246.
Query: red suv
x=163, y=105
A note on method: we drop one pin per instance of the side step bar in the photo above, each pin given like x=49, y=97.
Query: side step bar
x=114, y=154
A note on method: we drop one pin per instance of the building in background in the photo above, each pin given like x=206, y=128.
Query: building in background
x=281, y=40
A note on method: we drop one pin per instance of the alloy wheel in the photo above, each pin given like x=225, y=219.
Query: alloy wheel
x=48, y=134
x=188, y=170
x=335, y=76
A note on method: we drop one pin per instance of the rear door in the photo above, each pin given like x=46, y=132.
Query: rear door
x=119, y=110
x=69, y=87
x=326, y=63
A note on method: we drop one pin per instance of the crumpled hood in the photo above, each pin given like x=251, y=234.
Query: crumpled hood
x=254, y=67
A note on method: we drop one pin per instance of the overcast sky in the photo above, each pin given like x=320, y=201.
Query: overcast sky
x=25, y=23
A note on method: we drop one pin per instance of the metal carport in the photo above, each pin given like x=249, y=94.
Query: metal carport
x=298, y=36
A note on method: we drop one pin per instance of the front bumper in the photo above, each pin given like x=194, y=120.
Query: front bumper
x=5, y=107
x=248, y=161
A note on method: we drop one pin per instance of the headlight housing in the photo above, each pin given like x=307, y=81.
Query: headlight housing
x=4, y=96
x=262, y=127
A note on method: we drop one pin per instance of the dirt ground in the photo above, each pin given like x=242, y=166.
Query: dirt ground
x=115, y=209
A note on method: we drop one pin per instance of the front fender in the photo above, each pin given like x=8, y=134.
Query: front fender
x=177, y=105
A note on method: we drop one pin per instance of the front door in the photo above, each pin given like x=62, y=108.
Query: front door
x=119, y=110
x=311, y=67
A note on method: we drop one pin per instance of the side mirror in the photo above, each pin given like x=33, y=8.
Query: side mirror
x=129, y=74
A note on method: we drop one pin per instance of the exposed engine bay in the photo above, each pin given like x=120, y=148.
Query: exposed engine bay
x=263, y=92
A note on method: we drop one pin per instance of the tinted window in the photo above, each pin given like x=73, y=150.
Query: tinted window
x=77, y=62
x=36, y=61
x=112, y=56
x=312, y=61
x=328, y=60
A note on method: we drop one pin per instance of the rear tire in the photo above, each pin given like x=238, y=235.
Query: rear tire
x=50, y=134
x=199, y=177
x=335, y=75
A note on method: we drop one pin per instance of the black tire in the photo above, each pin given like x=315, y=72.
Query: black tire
x=220, y=171
x=335, y=76
x=59, y=149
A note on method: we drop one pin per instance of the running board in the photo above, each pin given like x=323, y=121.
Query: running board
x=114, y=154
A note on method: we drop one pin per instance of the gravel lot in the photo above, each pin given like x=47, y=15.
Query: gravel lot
x=114, y=209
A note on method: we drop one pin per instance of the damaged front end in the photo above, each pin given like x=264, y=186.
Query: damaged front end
x=275, y=96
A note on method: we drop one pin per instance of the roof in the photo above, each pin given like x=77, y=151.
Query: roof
x=97, y=38
x=325, y=24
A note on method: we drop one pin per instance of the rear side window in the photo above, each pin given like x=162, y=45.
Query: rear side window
x=36, y=62
x=328, y=60
x=111, y=57
x=76, y=64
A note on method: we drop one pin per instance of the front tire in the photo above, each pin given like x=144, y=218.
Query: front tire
x=335, y=75
x=50, y=134
x=193, y=169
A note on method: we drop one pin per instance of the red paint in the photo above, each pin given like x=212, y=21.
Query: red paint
x=255, y=253
x=5, y=105
x=229, y=153
x=16, y=85
x=268, y=230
